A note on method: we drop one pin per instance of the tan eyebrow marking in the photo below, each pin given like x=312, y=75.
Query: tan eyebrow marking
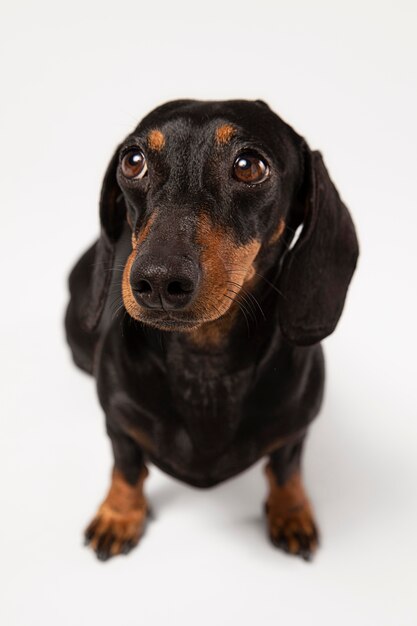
x=156, y=140
x=224, y=133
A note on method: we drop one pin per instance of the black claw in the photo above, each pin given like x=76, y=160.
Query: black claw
x=103, y=555
x=89, y=533
x=307, y=556
x=150, y=514
x=126, y=547
x=305, y=545
x=305, y=549
x=282, y=544
x=276, y=540
x=104, y=546
x=303, y=542
x=100, y=543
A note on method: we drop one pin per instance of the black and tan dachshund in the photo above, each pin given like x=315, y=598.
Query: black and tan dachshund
x=224, y=259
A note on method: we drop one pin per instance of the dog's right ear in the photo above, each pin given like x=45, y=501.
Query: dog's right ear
x=112, y=217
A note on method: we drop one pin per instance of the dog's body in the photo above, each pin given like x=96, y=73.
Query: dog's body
x=222, y=363
x=205, y=414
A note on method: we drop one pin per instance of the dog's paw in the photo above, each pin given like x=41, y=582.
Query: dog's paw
x=295, y=532
x=112, y=533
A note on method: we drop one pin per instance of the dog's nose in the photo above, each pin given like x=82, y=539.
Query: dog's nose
x=164, y=285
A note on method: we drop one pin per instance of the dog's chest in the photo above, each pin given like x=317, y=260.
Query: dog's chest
x=208, y=398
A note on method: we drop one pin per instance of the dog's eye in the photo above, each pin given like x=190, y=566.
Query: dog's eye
x=134, y=164
x=250, y=169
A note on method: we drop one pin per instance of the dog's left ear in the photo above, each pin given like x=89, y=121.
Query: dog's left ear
x=316, y=273
x=112, y=217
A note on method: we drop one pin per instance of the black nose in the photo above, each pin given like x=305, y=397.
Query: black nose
x=168, y=285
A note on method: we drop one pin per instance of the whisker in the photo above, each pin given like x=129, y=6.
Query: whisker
x=244, y=295
x=116, y=307
x=268, y=282
x=249, y=295
x=244, y=304
x=216, y=307
x=247, y=305
x=240, y=309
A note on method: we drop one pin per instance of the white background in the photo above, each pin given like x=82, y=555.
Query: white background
x=74, y=81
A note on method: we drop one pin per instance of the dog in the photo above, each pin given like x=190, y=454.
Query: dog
x=224, y=259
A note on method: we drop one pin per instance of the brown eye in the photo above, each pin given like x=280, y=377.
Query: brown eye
x=134, y=164
x=250, y=169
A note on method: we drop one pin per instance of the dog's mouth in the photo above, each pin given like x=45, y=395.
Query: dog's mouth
x=170, y=321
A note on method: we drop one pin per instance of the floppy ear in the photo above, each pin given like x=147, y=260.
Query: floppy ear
x=316, y=273
x=112, y=216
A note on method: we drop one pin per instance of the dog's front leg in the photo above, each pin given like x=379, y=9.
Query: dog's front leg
x=290, y=518
x=120, y=520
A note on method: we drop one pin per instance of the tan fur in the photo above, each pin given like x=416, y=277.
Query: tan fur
x=277, y=234
x=122, y=515
x=128, y=298
x=156, y=140
x=211, y=334
x=144, y=232
x=127, y=294
x=222, y=260
x=289, y=513
x=224, y=134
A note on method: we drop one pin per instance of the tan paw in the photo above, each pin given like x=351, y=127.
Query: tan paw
x=291, y=522
x=111, y=533
x=120, y=521
x=295, y=532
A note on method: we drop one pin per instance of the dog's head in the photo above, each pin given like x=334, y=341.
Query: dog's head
x=213, y=192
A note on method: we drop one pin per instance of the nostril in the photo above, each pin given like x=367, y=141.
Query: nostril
x=143, y=287
x=177, y=288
